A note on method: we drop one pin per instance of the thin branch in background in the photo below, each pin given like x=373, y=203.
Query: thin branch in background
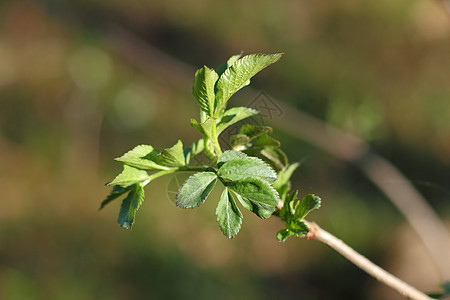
x=317, y=233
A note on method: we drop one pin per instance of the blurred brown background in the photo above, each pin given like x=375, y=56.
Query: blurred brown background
x=82, y=82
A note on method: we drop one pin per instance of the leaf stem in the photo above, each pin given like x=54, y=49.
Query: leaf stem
x=216, y=139
x=208, y=152
x=178, y=169
x=317, y=233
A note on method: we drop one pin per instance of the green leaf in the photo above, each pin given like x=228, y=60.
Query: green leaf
x=238, y=140
x=173, y=156
x=275, y=157
x=130, y=176
x=196, y=189
x=283, y=234
x=229, y=155
x=234, y=115
x=142, y=157
x=305, y=205
x=261, y=210
x=265, y=141
x=204, y=128
x=253, y=136
x=254, y=131
x=284, y=189
x=228, y=64
x=241, y=168
x=203, y=89
x=233, y=59
x=295, y=227
x=282, y=185
x=255, y=141
x=254, y=189
x=287, y=211
x=298, y=227
x=203, y=116
x=130, y=205
x=116, y=192
x=228, y=215
x=292, y=216
x=237, y=76
x=284, y=175
x=196, y=148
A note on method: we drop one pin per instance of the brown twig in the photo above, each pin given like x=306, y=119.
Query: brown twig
x=317, y=233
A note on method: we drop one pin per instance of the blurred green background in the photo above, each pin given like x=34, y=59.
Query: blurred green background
x=75, y=93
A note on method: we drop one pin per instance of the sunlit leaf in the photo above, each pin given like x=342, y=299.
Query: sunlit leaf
x=220, y=69
x=293, y=215
x=196, y=148
x=142, y=157
x=285, y=175
x=254, y=131
x=130, y=176
x=265, y=141
x=237, y=76
x=173, y=156
x=261, y=210
x=298, y=227
x=130, y=205
x=234, y=115
x=275, y=157
x=116, y=192
x=204, y=128
x=238, y=140
x=254, y=189
x=287, y=211
x=305, y=205
x=243, y=167
x=229, y=155
x=253, y=136
x=196, y=189
x=228, y=215
x=283, y=234
x=203, y=89
x=282, y=184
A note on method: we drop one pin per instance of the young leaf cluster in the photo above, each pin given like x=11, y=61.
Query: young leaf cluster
x=213, y=88
x=255, y=173
x=245, y=178
x=293, y=212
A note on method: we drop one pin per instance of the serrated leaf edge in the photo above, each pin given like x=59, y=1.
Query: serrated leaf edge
x=252, y=158
x=213, y=182
x=238, y=210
